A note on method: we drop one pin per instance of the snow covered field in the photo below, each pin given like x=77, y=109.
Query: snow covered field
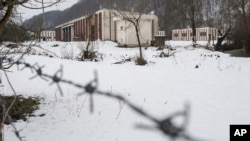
x=214, y=84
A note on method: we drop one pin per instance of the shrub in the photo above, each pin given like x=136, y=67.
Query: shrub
x=88, y=50
x=140, y=61
x=22, y=108
x=67, y=52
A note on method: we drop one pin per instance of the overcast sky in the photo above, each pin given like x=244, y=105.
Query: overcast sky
x=28, y=13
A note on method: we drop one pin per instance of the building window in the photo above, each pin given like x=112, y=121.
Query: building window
x=184, y=34
x=203, y=33
x=176, y=35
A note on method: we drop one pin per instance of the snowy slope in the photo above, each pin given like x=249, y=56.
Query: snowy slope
x=215, y=84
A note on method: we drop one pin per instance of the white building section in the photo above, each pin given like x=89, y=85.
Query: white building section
x=48, y=36
x=126, y=33
x=202, y=34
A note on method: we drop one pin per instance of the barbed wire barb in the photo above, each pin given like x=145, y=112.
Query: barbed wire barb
x=39, y=72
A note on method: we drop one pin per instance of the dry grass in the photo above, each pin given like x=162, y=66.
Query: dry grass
x=140, y=61
x=23, y=107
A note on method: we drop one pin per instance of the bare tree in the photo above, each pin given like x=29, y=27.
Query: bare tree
x=134, y=19
x=243, y=6
x=235, y=16
x=190, y=11
x=170, y=19
x=221, y=38
x=133, y=12
x=7, y=7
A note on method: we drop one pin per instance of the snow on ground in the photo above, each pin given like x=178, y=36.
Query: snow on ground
x=215, y=84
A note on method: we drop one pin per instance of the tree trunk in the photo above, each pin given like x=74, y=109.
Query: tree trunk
x=86, y=52
x=1, y=131
x=192, y=20
x=246, y=32
x=139, y=41
x=218, y=45
x=194, y=36
x=247, y=44
x=220, y=39
x=6, y=18
x=140, y=60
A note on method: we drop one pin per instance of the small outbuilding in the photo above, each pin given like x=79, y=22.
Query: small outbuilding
x=202, y=34
x=48, y=35
x=160, y=39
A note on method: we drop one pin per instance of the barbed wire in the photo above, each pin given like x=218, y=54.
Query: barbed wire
x=166, y=125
